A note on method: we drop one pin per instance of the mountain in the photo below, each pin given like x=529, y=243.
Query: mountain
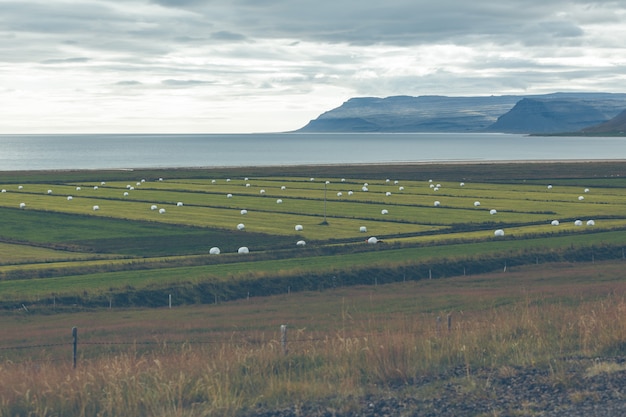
x=548, y=113
x=615, y=126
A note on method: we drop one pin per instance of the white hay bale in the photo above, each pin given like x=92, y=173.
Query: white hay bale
x=243, y=250
x=364, y=189
x=586, y=190
x=162, y=211
x=401, y=188
x=366, y=184
x=578, y=223
x=493, y=211
x=247, y=185
x=438, y=186
x=498, y=233
x=229, y=196
x=387, y=180
x=128, y=186
x=131, y=188
x=49, y=191
x=104, y=182
x=301, y=243
x=343, y=180
x=554, y=223
x=591, y=223
x=283, y=187
x=476, y=203
x=143, y=180
x=160, y=179
x=339, y=194
x=153, y=207
x=125, y=193
x=299, y=228
x=69, y=198
x=430, y=180
x=395, y=182
x=312, y=179
x=95, y=187
x=227, y=179
x=388, y=193
x=581, y=198
x=327, y=182
x=246, y=179
x=436, y=189
x=138, y=184
x=550, y=187
x=96, y=208
x=22, y=205
x=20, y=187
x=372, y=240
x=213, y=181
x=77, y=188
x=437, y=203
x=262, y=192
x=384, y=211
x=241, y=226
x=279, y=201
x=432, y=185
x=214, y=251
x=179, y=204
x=244, y=212
x=362, y=229
x=462, y=184
x=350, y=192
x=4, y=190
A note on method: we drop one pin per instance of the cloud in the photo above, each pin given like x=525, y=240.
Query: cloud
x=297, y=58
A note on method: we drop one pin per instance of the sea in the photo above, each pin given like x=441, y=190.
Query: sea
x=137, y=151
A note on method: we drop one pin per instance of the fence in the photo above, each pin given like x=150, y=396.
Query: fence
x=73, y=343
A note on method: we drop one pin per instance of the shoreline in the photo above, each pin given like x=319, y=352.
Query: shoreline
x=470, y=162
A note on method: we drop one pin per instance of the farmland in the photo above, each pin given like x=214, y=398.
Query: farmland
x=91, y=238
x=440, y=315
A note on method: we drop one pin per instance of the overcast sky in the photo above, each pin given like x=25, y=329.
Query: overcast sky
x=238, y=66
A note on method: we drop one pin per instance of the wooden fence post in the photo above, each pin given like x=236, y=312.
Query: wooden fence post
x=283, y=337
x=74, y=345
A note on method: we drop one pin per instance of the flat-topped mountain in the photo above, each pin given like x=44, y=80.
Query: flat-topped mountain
x=548, y=113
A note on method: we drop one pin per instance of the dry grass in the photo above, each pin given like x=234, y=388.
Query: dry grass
x=342, y=344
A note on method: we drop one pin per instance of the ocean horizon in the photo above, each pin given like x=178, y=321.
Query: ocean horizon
x=23, y=152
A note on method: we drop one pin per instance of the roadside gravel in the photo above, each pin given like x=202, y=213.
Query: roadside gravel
x=572, y=388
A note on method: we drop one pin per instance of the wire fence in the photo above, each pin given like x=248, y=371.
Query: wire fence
x=74, y=349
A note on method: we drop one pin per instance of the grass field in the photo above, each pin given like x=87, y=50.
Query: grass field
x=77, y=237
x=363, y=319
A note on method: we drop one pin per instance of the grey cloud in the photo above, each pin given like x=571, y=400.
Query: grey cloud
x=128, y=83
x=77, y=60
x=184, y=83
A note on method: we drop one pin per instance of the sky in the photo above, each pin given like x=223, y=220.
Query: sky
x=249, y=66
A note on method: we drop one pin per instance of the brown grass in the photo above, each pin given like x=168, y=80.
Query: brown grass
x=342, y=344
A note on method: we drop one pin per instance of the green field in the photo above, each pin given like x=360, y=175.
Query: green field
x=76, y=237
x=367, y=322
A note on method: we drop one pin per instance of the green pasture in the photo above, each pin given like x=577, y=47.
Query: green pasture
x=118, y=231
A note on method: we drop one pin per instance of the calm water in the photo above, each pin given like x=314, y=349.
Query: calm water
x=44, y=152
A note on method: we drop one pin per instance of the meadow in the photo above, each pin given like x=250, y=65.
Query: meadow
x=362, y=318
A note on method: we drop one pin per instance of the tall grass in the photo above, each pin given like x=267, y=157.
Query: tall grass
x=230, y=377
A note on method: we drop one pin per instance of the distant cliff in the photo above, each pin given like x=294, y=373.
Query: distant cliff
x=549, y=113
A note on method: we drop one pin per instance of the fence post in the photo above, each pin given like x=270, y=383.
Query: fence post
x=449, y=322
x=74, y=345
x=438, y=326
x=283, y=337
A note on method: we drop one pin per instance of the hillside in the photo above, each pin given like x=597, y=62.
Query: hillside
x=616, y=126
x=549, y=113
